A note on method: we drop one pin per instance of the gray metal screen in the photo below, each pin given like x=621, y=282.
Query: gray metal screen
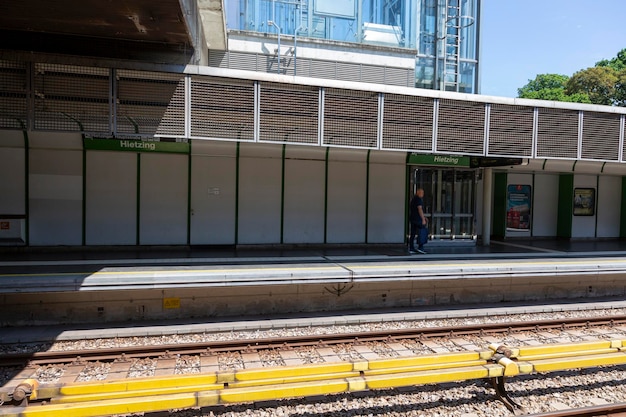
x=291, y=64
x=72, y=98
x=288, y=114
x=510, y=131
x=350, y=118
x=323, y=69
x=600, y=136
x=408, y=123
x=557, y=133
x=150, y=102
x=461, y=127
x=222, y=108
x=13, y=95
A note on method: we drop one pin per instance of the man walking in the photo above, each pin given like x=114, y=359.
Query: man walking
x=419, y=223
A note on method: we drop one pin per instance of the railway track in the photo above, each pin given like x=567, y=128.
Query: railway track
x=275, y=355
x=293, y=342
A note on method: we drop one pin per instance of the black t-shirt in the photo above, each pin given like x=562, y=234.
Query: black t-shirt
x=414, y=214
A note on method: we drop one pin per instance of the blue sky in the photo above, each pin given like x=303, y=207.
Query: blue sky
x=523, y=38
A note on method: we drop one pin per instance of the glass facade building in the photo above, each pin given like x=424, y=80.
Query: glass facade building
x=442, y=33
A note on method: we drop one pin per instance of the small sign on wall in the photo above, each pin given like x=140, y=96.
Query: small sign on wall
x=5, y=225
x=584, y=201
x=171, y=303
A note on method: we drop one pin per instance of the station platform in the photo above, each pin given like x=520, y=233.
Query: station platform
x=50, y=286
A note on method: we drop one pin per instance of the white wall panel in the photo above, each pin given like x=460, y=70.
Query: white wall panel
x=55, y=200
x=213, y=200
x=609, y=206
x=111, y=198
x=585, y=226
x=346, y=202
x=546, y=204
x=163, y=199
x=387, y=196
x=260, y=190
x=304, y=201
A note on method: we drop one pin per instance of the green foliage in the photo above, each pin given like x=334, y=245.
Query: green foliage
x=618, y=63
x=551, y=87
x=597, y=82
x=605, y=84
x=543, y=82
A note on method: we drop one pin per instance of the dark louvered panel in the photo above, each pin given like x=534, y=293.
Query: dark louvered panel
x=150, y=102
x=408, y=123
x=13, y=95
x=600, y=136
x=72, y=98
x=350, y=118
x=289, y=114
x=557, y=133
x=222, y=109
x=511, y=131
x=461, y=127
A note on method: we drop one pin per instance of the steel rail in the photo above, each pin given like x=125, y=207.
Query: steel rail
x=614, y=410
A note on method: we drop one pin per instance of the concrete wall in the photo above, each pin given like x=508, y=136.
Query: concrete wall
x=17, y=309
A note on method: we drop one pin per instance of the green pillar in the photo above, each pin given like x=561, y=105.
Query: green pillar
x=499, y=204
x=566, y=206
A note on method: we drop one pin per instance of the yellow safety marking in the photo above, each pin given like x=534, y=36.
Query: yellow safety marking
x=135, y=393
x=426, y=377
x=108, y=407
x=361, y=366
x=129, y=385
x=292, y=371
x=567, y=354
x=426, y=367
x=293, y=379
x=548, y=365
x=561, y=348
x=410, y=266
x=506, y=266
x=356, y=384
x=225, y=376
x=494, y=370
x=434, y=360
x=525, y=367
x=510, y=367
x=264, y=393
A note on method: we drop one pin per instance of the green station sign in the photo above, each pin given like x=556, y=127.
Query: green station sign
x=447, y=160
x=134, y=145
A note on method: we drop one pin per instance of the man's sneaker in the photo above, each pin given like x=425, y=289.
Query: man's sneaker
x=412, y=251
x=422, y=251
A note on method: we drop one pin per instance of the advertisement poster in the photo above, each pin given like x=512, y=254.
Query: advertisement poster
x=518, y=207
x=584, y=201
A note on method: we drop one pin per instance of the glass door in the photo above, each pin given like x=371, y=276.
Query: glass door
x=449, y=201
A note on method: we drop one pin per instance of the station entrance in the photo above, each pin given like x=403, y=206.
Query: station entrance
x=449, y=201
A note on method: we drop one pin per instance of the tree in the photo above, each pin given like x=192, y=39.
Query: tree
x=605, y=84
x=620, y=89
x=550, y=87
x=597, y=82
x=618, y=63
